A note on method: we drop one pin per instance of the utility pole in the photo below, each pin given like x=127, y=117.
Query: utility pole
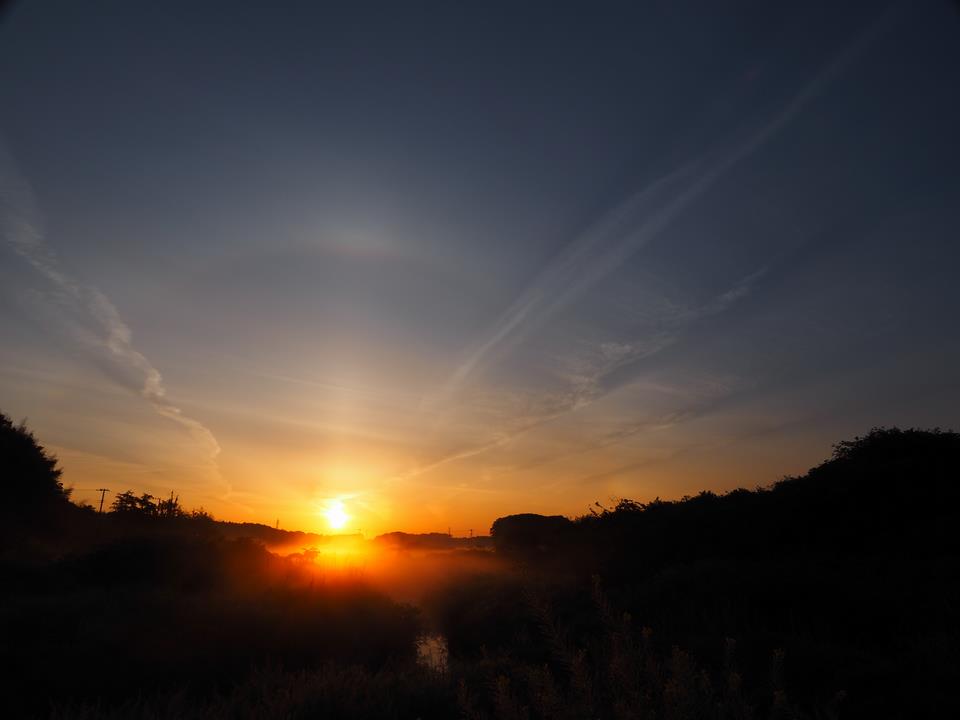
x=471, y=532
x=102, y=491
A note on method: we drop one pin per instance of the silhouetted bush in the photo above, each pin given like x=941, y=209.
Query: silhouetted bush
x=853, y=569
x=31, y=475
x=530, y=534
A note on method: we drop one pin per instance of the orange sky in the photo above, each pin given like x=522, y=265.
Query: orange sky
x=271, y=468
x=451, y=266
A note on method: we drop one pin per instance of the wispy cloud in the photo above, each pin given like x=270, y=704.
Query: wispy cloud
x=599, y=251
x=635, y=222
x=595, y=253
x=583, y=383
x=498, y=441
x=586, y=374
x=93, y=318
x=700, y=448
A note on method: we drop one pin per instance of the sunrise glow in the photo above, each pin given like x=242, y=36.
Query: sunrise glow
x=336, y=311
x=336, y=515
x=384, y=359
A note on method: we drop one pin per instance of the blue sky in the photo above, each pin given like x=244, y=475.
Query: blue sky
x=442, y=264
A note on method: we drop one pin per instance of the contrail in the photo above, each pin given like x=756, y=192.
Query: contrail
x=608, y=243
x=564, y=277
x=589, y=387
x=99, y=323
x=638, y=220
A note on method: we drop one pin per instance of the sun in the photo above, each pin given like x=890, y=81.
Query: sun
x=336, y=515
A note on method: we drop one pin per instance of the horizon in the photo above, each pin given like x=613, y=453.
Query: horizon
x=386, y=270
x=330, y=531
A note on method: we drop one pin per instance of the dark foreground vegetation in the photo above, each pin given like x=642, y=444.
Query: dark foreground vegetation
x=829, y=595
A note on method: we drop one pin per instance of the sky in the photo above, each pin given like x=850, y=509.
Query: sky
x=438, y=263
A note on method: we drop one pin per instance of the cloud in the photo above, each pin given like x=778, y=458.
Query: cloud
x=499, y=441
x=598, y=252
x=583, y=379
x=584, y=262
x=635, y=222
x=587, y=375
x=91, y=315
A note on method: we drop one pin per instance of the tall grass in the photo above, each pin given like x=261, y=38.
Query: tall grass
x=619, y=674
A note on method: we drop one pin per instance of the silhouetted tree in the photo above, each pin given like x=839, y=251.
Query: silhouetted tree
x=201, y=514
x=125, y=502
x=31, y=475
x=170, y=507
x=130, y=503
